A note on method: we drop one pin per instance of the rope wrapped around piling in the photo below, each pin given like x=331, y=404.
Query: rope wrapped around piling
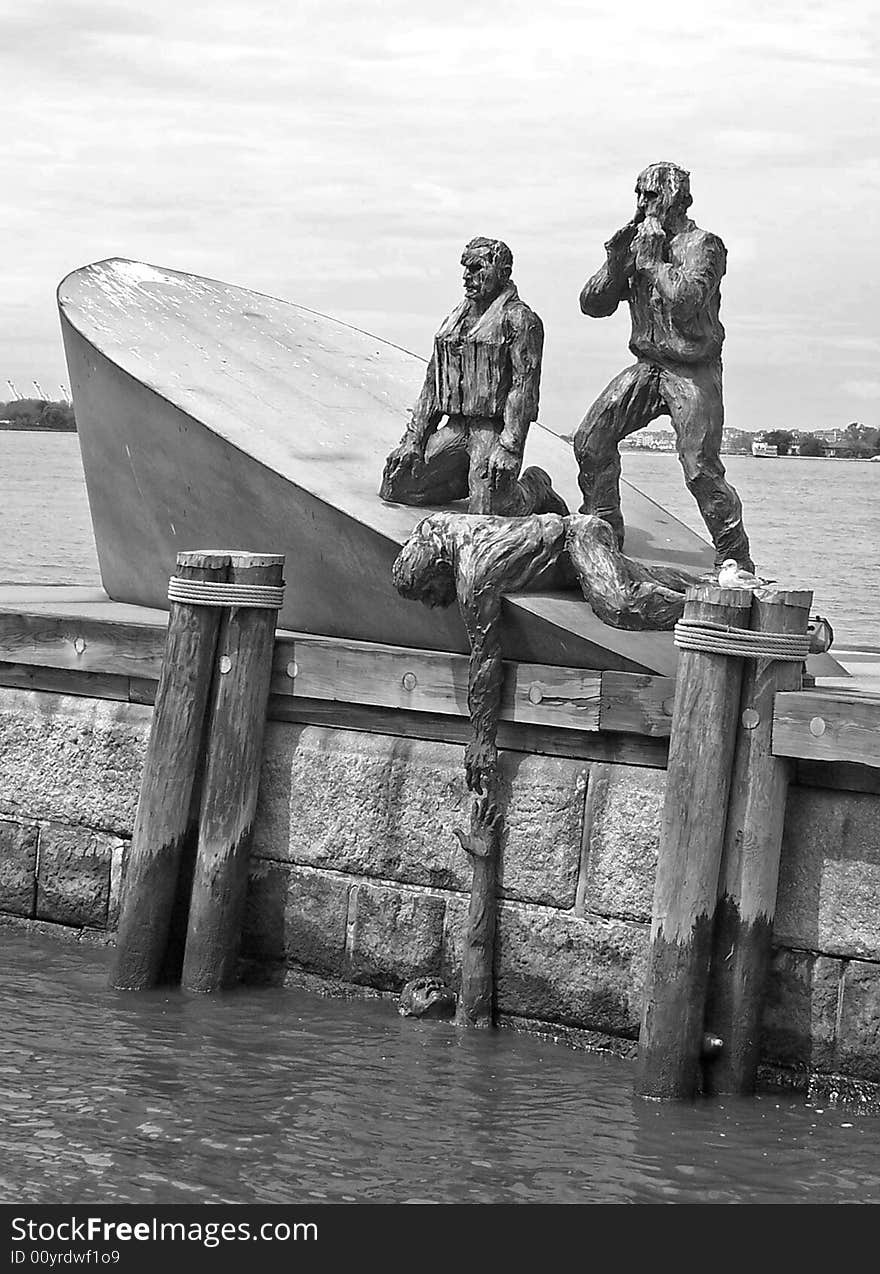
x=743, y=643
x=211, y=593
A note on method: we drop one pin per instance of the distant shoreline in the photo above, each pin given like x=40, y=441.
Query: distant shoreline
x=855, y=459
x=662, y=451
x=10, y=427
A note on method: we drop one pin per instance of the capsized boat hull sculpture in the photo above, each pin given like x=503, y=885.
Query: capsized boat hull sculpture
x=213, y=416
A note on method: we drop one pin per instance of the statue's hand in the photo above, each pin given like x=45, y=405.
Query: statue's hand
x=486, y=823
x=619, y=243
x=480, y=764
x=502, y=464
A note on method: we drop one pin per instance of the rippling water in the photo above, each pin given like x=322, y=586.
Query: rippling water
x=281, y=1096
x=46, y=532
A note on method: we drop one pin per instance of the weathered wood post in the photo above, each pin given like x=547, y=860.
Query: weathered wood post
x=234, y=752
x=750, y=864
x=165, y=825
x=704, y=720
x=476, y=1003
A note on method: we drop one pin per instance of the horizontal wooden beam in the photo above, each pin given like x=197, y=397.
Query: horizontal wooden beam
x=315, y=668
x=823, y=726
x=429, y=681
x=65, y=681
x=632, y=703
x=82, y=644
x=541, y=740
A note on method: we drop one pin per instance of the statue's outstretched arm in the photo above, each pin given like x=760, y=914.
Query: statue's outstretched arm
x=476, y=559
x=408, y=457
x=485, y=675
x=495, y=556
x=622, y=592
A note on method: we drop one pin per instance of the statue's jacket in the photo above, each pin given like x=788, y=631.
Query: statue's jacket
x=674, y=303
x=475, y=367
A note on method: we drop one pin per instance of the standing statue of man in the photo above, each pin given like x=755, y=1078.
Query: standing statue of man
x=669, y=270
x=483, y=377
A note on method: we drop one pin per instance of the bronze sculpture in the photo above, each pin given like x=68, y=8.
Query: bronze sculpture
x=669, y=271
x=477, y=560
x=484, y=378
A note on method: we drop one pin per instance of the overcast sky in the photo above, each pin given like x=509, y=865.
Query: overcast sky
x=339, y=153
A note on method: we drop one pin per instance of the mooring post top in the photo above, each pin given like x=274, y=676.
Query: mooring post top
x=712, y=595
x=227, y=557
x=801, y=598
x=207, y=559
x=241, y=560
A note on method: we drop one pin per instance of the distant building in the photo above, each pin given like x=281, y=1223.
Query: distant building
x=736, y=442
x=653, y=438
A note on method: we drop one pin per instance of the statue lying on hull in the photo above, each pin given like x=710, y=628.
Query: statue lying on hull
x=669, y=272
x=623, y=593
x=484, y=378
x=477, y=560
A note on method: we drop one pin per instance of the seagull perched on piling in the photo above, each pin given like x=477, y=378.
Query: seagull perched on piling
x=731, y=575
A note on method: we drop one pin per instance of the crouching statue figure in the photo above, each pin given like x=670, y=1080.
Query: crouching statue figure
x=483, y=378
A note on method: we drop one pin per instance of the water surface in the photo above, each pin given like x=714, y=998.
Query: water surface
x=283, y=1096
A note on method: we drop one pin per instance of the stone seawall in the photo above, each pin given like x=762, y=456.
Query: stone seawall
x=357, y=879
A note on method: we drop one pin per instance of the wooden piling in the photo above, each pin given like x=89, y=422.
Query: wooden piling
x=749, y=872
x=166, y=822
x=234, y=752
x=701, y=745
